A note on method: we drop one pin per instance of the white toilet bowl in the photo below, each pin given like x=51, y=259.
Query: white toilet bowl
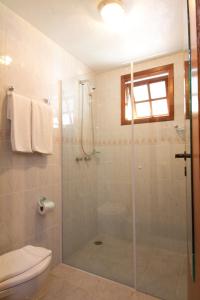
x=25, y=285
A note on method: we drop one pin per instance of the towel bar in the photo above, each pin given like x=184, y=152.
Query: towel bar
x=11, y=89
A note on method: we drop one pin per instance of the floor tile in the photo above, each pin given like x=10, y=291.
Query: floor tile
x=113, y=259
x=67, y=283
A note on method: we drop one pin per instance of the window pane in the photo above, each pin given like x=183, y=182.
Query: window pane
x=141, y=93
x=160, y=108
x=128, y=113
x=143, y=109
x=158, y=89
x=128, y=106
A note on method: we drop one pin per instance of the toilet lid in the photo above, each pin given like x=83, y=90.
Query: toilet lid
x=19, y=261
x=26, y=276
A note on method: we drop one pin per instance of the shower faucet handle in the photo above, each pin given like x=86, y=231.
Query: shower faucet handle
x=79, y=159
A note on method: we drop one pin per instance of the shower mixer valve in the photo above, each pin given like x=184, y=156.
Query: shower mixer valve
x=79, y=159
x=85, y=158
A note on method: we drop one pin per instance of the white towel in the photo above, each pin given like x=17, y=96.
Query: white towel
x=19, y=261
x=42, y=127
x=19, y=112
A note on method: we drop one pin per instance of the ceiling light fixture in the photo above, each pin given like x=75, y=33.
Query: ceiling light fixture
x=111, y=11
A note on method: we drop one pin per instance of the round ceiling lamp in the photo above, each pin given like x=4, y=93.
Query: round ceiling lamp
x=112, y=11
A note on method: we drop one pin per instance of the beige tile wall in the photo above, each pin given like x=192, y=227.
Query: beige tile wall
x=38, y=64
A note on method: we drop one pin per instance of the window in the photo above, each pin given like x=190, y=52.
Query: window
x=153, y=96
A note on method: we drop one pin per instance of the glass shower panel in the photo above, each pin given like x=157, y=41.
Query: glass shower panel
x=97, y=178
x=160, y=188
x=160, y=197
x=79, y=177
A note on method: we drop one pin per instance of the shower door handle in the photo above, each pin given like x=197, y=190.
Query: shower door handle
x=183, y=155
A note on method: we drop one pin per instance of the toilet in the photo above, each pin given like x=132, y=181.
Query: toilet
x=22, y=271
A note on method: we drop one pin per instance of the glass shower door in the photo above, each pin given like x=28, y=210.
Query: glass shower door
x=160, y=196
x=191, y=79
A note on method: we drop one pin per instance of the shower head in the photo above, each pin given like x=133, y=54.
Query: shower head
x=90, y=87
x=83, y=82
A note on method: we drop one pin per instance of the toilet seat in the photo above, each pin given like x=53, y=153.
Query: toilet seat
x=26, y=276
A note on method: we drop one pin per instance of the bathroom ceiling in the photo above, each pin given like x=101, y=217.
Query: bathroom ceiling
x=152, y=28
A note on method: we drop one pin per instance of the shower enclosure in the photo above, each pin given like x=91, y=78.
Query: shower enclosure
x=124, y=192
x=97, y=213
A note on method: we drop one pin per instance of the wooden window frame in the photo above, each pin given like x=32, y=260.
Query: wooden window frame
x=169, y=79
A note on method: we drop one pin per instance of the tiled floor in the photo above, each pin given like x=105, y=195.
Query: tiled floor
x=159, y=272
x=113, y=259
x=67, y=283
x=162, y=273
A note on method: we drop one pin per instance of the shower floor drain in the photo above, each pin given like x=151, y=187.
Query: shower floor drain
x=97, y=243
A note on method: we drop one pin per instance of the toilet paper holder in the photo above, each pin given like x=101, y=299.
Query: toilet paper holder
x=45, y=205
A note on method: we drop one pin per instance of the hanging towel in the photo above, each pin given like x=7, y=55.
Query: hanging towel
x=19, y=261
x=19, y=112
x=42, y=127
